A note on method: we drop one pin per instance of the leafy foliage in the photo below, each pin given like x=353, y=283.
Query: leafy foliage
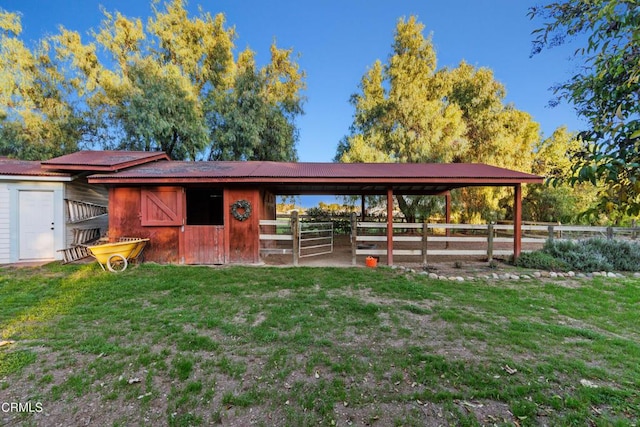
x=605, y=90
x=37, y=119
x=586, y=255
x=157, y=88
x=557, y=200
x=541, y=260
x=246, y=125
x=409, y=111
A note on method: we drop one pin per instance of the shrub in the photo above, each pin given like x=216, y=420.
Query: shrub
x=541, y=261
x=595, y=254
x=622, y=255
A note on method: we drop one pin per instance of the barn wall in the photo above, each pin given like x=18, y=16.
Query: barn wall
x=242, y=237
x=80, y=190
x=125, y=221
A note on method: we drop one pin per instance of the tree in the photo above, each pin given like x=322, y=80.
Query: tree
x=409, y=111
x=159, y=114
x=155, y=85
x=605, y=90
x=400, y=115
x=37, y=118
x=557, y=201
x=497, y=134
x=255, y=120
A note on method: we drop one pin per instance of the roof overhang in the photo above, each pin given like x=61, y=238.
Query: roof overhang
x=321, y=178
x=102, y=161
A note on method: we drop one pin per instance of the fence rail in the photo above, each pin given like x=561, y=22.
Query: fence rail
x=439, y=239
x=423, y=240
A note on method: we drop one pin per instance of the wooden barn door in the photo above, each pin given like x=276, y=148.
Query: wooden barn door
x=203, y=244
x=203, y=241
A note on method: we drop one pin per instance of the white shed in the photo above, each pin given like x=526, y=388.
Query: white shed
x=38, y=211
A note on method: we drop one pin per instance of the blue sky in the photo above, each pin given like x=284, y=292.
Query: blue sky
x=339, y=40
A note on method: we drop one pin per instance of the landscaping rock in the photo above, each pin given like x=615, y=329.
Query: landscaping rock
x=433, y=276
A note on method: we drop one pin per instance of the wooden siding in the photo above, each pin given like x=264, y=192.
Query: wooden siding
x=204, y=244
x=5, y=234
x=80, y=190
x=243, y=237
x=162, y=206
x=125, y=221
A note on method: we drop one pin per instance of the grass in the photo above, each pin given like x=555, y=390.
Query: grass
x=299, y=346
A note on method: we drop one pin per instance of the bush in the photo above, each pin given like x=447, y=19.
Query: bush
x=541, y=261
x=595, y=254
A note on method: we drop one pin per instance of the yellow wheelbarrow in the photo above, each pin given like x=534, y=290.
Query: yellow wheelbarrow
x=116, y=256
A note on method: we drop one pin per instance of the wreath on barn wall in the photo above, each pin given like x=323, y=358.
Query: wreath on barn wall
x=241, y=210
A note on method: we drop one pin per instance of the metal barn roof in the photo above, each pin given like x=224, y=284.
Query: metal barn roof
x=323, y=178
x=102, y=161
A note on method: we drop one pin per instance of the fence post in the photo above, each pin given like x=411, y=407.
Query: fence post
x=551, y=233
x=354, y=235
x=490, y=242
x=295, y=233
x=633, y=230
x=609, y=233
x=424, y=244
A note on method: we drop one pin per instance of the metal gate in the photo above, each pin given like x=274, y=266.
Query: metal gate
x=316, y=238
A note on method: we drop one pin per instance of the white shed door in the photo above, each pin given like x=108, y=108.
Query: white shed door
x=36, y=227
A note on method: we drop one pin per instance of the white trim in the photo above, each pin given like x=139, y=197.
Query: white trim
x=36, y=178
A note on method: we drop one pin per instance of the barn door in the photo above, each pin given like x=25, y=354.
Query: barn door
x=203, y=244
x=203, y=233
x=162, y=206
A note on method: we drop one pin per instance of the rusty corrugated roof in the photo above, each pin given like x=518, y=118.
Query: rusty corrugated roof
x=26, y=168
x=303, y=170
x=103, y=161
x=338, y=178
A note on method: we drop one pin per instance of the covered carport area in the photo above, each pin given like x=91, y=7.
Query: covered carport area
x=407, y=179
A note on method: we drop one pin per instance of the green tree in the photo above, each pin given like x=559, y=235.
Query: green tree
x=151, y=86
x=400, y=115
x=605, y=90
x=409, y=111
x=557, y=201
x=37, y=120
x=246, y=124
x=497, y=133
x=159, y=114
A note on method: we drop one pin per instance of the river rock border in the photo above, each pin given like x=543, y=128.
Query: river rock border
x=520, y=276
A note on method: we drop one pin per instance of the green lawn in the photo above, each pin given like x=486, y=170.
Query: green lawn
x=171, y=345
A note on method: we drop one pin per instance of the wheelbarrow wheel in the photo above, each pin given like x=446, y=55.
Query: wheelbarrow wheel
x=117, y=263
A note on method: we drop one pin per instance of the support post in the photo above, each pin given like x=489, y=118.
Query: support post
x=425, y=230
x=551, y=233
x=447, y=216
x=354, y=237
x=362, y=208
x=389, y=226
x=490, y=242
x=295, y=233
x=517, y=221
x=609, y=233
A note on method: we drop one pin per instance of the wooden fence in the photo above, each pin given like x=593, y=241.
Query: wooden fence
x=426, y=240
